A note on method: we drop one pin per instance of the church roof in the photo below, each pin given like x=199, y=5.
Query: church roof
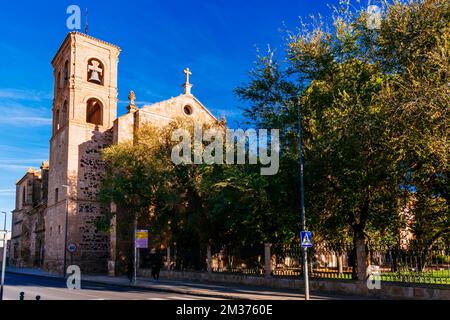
x=83, y=35
x=29, y=172
x=206, y=109
x=153, y=105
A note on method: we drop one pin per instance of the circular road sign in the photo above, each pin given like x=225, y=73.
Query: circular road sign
x=72, y=247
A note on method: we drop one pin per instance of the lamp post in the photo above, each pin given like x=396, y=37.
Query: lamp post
x=302, y=203
x=5, y=247
x=65, y=229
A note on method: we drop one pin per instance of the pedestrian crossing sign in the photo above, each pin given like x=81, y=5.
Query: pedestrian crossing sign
x=306, y=239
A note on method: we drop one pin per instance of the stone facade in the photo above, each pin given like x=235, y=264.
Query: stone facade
x=84, y=123
x=28, y=226
x=83, y=113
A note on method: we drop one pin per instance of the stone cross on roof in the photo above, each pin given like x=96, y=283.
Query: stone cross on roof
x=188, y=73
x=187, y=86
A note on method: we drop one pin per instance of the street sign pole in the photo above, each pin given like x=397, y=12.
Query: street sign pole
x=135, y=250
x=65, y=243
x=72, y=247
x=3, y=267
x=5, y=247
x=302, y=203
x=66, y=223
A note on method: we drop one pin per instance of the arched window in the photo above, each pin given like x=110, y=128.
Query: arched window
x=64, y=114
x=94, y=112
x=58, y=81
x=24, y=196
x=66, y=71
x=95, y=71
x=57, y=120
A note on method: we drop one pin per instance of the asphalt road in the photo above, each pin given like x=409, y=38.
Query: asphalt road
x=55, y=289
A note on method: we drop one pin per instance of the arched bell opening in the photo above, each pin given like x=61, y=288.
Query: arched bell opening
x=94, y=112
x=66, y=71
x=95, y=71
x=64, y=115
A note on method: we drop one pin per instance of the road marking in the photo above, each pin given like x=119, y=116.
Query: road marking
x=186, y=298
x=52, y=291
x=75, y=292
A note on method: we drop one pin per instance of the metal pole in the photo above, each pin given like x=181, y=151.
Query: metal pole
x=65, y=232
x=302, y=202
x=168, y=258
x=135, y=250
x=4, y=261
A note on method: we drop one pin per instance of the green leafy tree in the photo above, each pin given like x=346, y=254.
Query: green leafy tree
x=357, y=88
x=415, y=49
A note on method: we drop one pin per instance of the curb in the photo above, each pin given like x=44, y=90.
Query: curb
x=187, y=292
x=51, y=276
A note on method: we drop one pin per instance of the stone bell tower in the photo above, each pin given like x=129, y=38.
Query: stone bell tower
x=84, y=108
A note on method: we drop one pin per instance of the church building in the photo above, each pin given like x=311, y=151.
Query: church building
x=57, y=206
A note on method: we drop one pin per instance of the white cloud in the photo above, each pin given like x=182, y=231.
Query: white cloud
x=20, y=165
x=138, y=103
x=20, y=115
x=21, y=107
x=26, y=121
x=20, y=94
x=7, y=192
x=19, y=161
x=13, y=167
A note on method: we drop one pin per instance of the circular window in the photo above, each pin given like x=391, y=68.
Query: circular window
x=187, y=110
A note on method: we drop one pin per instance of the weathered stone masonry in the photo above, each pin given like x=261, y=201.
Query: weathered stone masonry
x=84, y=123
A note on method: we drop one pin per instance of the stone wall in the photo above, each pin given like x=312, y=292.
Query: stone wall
x=347, y=287
x=93, y=246
x=28, y=218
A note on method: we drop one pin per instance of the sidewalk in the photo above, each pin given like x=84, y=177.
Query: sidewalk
x=232, y=292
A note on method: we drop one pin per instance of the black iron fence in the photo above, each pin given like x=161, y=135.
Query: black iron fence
x=394, y=264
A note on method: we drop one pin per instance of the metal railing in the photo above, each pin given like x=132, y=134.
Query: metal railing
x=402, y=263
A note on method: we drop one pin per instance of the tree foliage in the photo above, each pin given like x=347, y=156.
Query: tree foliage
x=374, y=113
x=374, y=107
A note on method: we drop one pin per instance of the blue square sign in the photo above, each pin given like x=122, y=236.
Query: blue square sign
x=306, y=239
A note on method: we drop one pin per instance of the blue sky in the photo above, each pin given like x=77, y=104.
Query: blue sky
x=217, y=40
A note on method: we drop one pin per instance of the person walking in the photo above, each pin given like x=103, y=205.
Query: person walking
x=130, y=270
x=156, y=266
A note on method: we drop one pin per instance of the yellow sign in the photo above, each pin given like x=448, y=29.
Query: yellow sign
x=141, y=239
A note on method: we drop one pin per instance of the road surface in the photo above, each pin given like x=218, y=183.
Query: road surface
x=55, y=289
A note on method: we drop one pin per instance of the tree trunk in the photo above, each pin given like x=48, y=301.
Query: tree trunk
x=360, y=267
x=340, y=263
x=169, y=262
x=267, y=259
x=208, y=259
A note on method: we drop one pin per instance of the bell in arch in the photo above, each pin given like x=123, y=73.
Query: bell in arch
x=95, y=72
x=95, y=77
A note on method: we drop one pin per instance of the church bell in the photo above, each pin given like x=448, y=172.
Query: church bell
x=94, y=77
